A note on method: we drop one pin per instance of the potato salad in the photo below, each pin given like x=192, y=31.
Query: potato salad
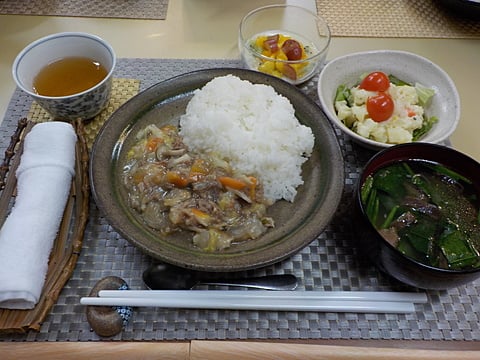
x=384, y=108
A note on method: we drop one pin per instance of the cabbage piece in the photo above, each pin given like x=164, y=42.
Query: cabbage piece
x=424, y=94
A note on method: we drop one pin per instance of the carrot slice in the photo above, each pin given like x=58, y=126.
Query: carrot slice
x=152, y=143
x=199, y=168
x=202, y=217
x=232, y=183
x=176, y=179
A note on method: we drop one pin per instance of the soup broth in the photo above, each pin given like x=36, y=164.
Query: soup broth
x=427, y=211
x=68, y=76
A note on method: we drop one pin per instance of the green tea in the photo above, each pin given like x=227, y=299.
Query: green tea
x=68, y=76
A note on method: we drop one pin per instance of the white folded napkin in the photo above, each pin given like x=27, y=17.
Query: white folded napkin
x=44, y=178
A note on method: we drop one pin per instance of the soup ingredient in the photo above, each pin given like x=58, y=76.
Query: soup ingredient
x=174, y=189
x=251, y=127
x=427, y=211
x=385, y=109
x=68, y=76
x=279, y=50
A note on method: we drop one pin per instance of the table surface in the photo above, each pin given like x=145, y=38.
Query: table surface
x=204, y=29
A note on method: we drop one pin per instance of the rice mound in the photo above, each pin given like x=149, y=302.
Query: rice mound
x=253, y=128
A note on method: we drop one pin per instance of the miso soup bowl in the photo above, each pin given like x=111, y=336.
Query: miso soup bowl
x=35, y=56
x=384, y=255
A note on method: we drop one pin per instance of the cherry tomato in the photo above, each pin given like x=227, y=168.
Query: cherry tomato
x=375, y=81
x=380, y=107
x=292, y=49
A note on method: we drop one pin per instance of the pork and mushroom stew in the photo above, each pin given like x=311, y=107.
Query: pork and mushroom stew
x=173, y=189
x=427, y=211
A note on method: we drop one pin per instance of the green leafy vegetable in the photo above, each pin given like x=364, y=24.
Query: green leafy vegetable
x=366, y=188
x=426, y=127
x=449, y=172
x=390, y=180
x=396, y=81
x=424, y=94
x=343, y=93
x=373, y=206
x=420, y=234
x=406, y=248
x=390, y=217
x=457, y=250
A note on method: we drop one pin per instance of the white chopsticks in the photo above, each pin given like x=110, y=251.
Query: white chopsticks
x=320, y=301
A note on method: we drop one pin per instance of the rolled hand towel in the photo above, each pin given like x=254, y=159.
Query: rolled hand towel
x=44, y=178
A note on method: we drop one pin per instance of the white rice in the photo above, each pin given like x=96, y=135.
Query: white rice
x=253, y=128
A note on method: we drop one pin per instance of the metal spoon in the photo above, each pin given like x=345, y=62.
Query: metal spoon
x=169, y=277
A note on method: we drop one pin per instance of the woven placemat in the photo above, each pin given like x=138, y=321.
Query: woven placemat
x=126, y=9
x=395, y=18
x=330, y=262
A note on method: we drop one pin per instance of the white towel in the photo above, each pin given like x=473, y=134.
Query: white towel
x=44, y=178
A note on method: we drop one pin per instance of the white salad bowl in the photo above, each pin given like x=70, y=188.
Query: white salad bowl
x=412, y=68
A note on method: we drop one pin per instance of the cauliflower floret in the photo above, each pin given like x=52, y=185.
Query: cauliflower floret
x=417, y=109
x=365, y=128
x=405, y=94
x=360, y=96
x=379, y=133
x=398, y=135
x=343, y=110
x=360, y=112
x=409, y=123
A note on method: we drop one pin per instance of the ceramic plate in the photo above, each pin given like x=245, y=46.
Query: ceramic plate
x=297, y=223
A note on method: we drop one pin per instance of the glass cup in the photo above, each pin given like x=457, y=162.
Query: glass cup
x=265, y=32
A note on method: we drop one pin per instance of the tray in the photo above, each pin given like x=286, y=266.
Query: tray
x=330, y=262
